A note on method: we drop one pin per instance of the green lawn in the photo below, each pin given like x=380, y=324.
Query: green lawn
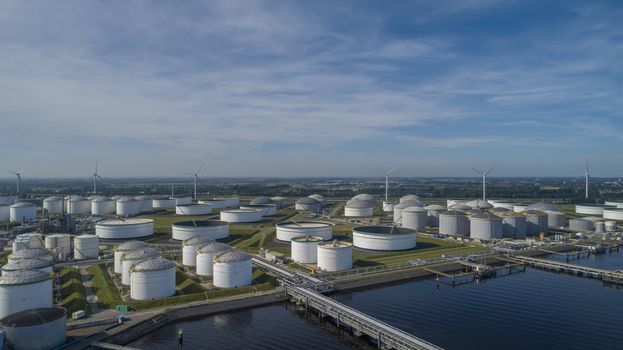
x=73, y=293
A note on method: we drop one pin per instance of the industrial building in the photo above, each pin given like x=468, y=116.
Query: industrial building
x=387, y=238
x=232, y=269
x=212, y=229
x=290, y=229
x=124, y=229
x=152, y=279
x=335, y=256
x=305, y=249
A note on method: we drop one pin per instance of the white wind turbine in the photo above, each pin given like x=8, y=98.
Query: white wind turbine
x=95, y=177
x=196, y=175
x=484, y=180
x=387, y=183
x=19, y=179
x=587, y=176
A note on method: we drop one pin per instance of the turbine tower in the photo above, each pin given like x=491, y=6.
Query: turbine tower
x=587, y=175
x=387, y=183
x=484, y=180
x=196, y=175
x=95, y=177
x=19, y=179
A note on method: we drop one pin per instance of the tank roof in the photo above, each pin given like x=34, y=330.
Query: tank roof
x=359, y=203
x=22, y=205
x=232, y=256
x=139, y=254
x=335, y=244
x=213, y=247
x=254, y=210
x=122, y=222
x=29, y=253
x=410, y=197
x=304, y=224
x=318, y=197
x=102, y=199
x=460, y=206
x=307, y=239
x=193, y=205
x=155, y=264
x=479, y=203
x=261, y=200
x=86, y=236
x=485, y=216
x=197, y=241
x=130, y=245
x=307, y=200
x=453, y=213
x=33, y=317
x=201, y=223
x=53, y=198
x=23, y=277
x=27, y=264
x=364, y=197
x=384, y=230
x=414, y=210
x=434, y=207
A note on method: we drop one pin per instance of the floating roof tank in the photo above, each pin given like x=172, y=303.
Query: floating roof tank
x=39, y=328
x=388, y=238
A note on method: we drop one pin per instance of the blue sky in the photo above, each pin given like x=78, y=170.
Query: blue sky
x=311, y=88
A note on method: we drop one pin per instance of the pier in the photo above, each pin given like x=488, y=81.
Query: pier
x=609, y=276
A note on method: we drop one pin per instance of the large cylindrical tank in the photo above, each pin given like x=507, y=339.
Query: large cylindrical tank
x=22, y=212
x=536, y=222
x=414, y=218
x=433, y=214
x=78, y=205
x=514, y=225
x=613, y=214
x=28, y=241
x=485, y=226
x=307, y=204
x=124, y=248
x=556, y=219
x=182, y=200
x=163, y=203
x=189, y=249
x=267, y=209
x=124, y=229
x=591, y=209
x=193, y=209
x=60, y=241
x=152, y=279
x=398, y=211
x=413, y=200
x=40, y=328
x=205, y=257
x=388, y=206
x=305, y=249
x=290, y=229
x=212, y=229
x=147, y=204
x=128, y=207
x=232, y=269
x=335, y=256
x=33, y=253
x=261, y=200
x=23, y=290
x=454, y=223
x=103, y=206
x=215, y=203
x=388, y=238
x=29, y=264
x=580, y=224
x=5, y=212
x=54, y=204
x=241, y=215
x=134, y=257
x=86, y=247
x=617, y=204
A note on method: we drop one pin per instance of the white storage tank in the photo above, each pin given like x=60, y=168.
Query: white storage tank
x=267, y=209
x=581, y=224
x=241, y=215
x=305, y=249
x=60, y=241
x=388, y=238
x=189, y=249
x=364, y=197
x=454, y=223
x=388, y=206
x=103, y=206
x=358, y=208
x=24, y=290
x=22, y=212
x=212, y=229
x=318, y=197
x=5, y=212
x=128, y=207
x=78, y=205
x=193, y=209
x=132, y=258
x=613, y=214
x=41, y=328
x=54, y=205
x=33, y=253
x=556, y=219
x=147, y=204
x=485, y=226
x=307, y=204
x=412, y=199
x=29, y=264
x=514, y=225
x=182, y=200
x=124, y=248
x=414, y=218
x=617, y=204
x=335, y=256
x=152, y=279
x=163, y=203
x=433, y=214
x=398, y=211
x=536, y=222
x=232, y=269
x=124, y=228
x=591, y=209
x=261, y=200
x=28, y=240
x=290, y=229
x=215, y=203
x=205, y=257
x=86, y=247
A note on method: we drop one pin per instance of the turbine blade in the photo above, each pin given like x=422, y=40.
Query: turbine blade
x=391, y=171
x=478, y=171
x=202, y=165
x=490, y=170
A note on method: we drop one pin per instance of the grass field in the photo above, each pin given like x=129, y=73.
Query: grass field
x=73, y=293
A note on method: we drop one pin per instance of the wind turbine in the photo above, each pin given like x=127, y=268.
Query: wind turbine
x=196, y=175
x=19, y=179
x=95, y=177
x=484, y=180
x=587, y=175
x=387, y=183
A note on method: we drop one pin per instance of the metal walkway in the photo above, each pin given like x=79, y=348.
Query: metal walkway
x=591, y=272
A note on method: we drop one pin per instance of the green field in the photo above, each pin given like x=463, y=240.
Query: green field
x=73, y=293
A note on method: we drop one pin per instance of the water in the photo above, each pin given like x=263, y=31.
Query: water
x=535, y=310
x=607, y=261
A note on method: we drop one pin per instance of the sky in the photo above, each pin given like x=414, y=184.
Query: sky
x=311, y=88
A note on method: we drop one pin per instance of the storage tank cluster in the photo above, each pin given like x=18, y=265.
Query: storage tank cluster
x=241, y=215
x=335, y=256
x=290, y=229
x=124, y=248
x=152, y=278
x=386, y=238
x=124, y=228
x=212, y=229
x=86, y=247
x=205, y=257
x=22, y=212
x=193, y=209
x=231, y=269
x=189, y=249
x=305, y=249
x=129, y=259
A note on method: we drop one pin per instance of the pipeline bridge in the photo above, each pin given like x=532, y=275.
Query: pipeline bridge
x=609, y=276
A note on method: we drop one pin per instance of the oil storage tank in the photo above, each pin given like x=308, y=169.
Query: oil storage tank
x=103, y=206
x=54, y=204
x=212, y=229
x=581, y=224
x=358, y=208
x=189, y=249
x=29, y=264
x=335, y=256
x=42, y=328
x=536, y=222
x=163, y=203
x=128, y=206
x=261, y=200
x=307, y=204
x=591, y=209
x=215, y=203
x=60, y=241
x=124, y=248
x=305, y=249
x=232, y=269
x=134, y=257
x=193, y=209
x=31, y=253
x=152, y=279
x=124, y=228
x=182, y=200
x=78, y=205
x=433, y=214
x=556, y=219
x=388, y=238
x=22, y=212
x=267, y=209
x=23, y=290
x=290, y=229
x=485, y=226
x=205, y=257
x=241, y=215
x=514, y=225
x=414, y=218
x=454, y=223
x=147, y=204
x=86, y=247
x=613, y=214
x=398, y=208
